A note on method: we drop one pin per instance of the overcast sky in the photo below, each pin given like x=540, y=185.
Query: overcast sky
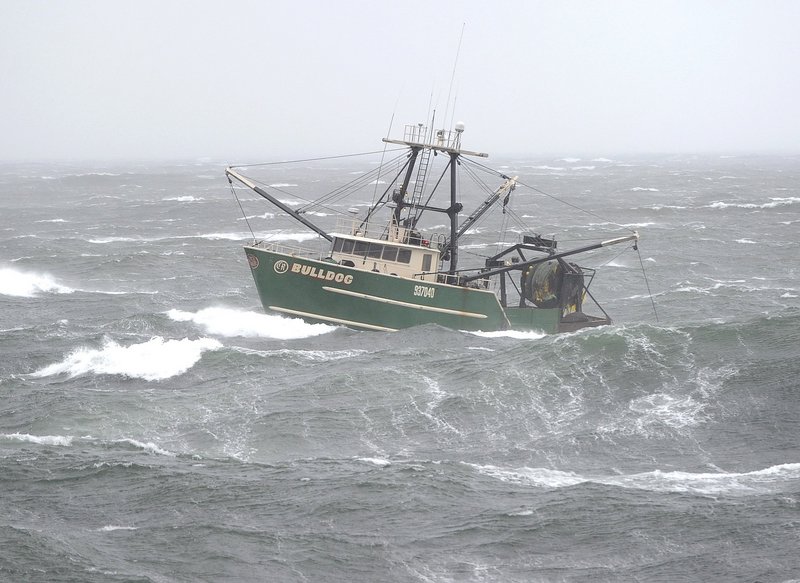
x=237, y=80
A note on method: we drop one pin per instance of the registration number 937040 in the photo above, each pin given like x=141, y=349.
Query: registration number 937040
x=424, y=291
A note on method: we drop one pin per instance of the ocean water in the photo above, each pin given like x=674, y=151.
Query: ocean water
x=157, y=426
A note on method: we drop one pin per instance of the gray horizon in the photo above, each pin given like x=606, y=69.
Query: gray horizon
x=249, y=80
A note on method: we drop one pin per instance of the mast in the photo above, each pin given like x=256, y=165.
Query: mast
x=446, y=142
x=399, y=197
x=456, y=233
x=452, y=212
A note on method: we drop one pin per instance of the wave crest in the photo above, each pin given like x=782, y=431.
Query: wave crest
x=27, y=284
x=723, y=483
x=62, y=440
x=154, y=360
x=231, y=322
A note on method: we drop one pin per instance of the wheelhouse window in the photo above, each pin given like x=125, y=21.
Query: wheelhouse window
x=389, y=253
x=371, y=250
x=360, y=248
x=426, y=262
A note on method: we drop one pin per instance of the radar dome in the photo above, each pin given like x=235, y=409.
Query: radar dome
x=459, y=126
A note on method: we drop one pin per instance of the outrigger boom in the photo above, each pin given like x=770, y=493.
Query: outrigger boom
x=230, y=173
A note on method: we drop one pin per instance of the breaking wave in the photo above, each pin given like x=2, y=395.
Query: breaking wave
x=183, y=199
x=27, y=284
x=62, y=440
x=148, y=447
x=776, y=202
x=154, y=360
x=517, y=334
x=67, y=441
x=769, y=479
x=231, y=322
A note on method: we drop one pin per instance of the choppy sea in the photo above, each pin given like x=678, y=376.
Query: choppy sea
x=157, y=426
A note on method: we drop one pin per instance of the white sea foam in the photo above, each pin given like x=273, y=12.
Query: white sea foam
x=14, y=282
x=261, y=216
x=154, y=360
x=306, y=355
x=747, y=241
x=776, y=202
x=539, y=477
x=375, y=461
x=667, y=410
x=615, y=263
x=52, y=221
x=112, y=527
x=299, y=237
x=187, y=198
x=149, y=446
x=745, y=483
x=643, y=189
x=232, y=322
x=517, y=334
x=225, y=236
x=722, y=483
x=62, y=440
x=106, y=240
x=658, y=207
x=557, y=168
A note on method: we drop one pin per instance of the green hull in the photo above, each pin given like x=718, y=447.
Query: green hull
x=319, y=291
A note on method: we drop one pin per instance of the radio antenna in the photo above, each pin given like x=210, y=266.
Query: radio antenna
x=453, y=76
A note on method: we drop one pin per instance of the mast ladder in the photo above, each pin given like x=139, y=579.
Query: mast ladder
x=422, y=174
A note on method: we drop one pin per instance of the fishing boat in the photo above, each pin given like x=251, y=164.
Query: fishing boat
x=384, y=271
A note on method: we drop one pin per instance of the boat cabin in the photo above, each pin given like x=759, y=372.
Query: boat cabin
x=389, y=257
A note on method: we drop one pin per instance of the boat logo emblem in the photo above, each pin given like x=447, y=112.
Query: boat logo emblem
x=252, y=260
x=281, y=266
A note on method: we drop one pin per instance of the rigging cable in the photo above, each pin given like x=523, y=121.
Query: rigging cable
x=453, y=76
x=519, y=222
x=647, y=283
x=246, y=220
x=314, y=159
x=542, y=192
x=383, y=154
x=334, y=195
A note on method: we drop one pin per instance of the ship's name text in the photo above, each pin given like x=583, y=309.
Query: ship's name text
x=424, y=291
x=324, y=274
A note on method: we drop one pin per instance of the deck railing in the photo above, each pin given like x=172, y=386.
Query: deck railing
x=279, y=247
